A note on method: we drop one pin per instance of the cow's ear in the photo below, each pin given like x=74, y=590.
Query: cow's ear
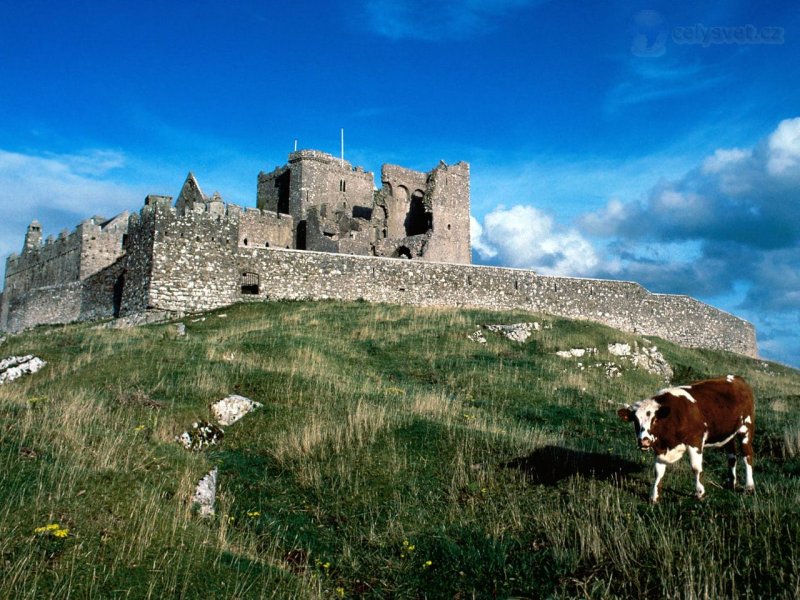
x=625, y=413
x=662, y=412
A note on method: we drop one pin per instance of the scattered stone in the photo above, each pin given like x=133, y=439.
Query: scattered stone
x=477, y=337
x=516, y=332
x=180, y=329
x=619, y=349
x=222, y=316
x=14, y=367
x=576, y=352
x=201, y=435
x=198, y=320
x=205, y=494
x=232, y=408
x=647, y=358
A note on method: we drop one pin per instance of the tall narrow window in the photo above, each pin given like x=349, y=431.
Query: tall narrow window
x=342, y=185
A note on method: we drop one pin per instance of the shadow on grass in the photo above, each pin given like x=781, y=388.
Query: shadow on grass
x=551, y=464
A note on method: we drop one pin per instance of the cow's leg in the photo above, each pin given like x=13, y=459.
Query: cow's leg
x=660, y=469
x=747, y=452
x=696, y=459
x=730, y=450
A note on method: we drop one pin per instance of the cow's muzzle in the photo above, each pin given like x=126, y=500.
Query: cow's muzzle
x=645, y=443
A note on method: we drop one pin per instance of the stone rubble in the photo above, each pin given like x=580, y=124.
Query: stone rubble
x=516, y=332
x=201, y=435
x=646, y=358
x=477, y=337
x=14, y=367
x=180, y=329
x=232, y=408
x=205, y=494
x=576, y=352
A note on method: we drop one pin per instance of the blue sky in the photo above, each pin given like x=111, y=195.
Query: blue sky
x=651, y=141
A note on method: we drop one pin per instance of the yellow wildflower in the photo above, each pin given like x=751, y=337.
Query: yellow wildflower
x=53, y=529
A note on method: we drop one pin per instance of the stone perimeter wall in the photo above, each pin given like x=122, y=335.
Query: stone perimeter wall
x=195, y=262
x=294, y=275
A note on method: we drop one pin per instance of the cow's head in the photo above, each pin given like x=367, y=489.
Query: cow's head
x=645, y=416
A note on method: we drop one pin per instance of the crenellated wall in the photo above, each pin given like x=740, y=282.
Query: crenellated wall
x=203, y=254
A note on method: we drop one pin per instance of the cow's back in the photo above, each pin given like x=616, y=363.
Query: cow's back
x=726, y=403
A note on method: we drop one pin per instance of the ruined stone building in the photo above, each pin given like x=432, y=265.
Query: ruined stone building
x=321, y=229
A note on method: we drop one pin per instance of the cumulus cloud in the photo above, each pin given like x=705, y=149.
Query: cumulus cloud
x=522, y=236
x=726, y=231
x=784, y=148
x=435, y=21
x=728, y=227
x=738, y=196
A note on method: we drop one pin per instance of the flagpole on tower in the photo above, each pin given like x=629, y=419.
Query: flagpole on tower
x=342, y=136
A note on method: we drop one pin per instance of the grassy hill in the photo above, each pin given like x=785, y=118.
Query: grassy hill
x=393, y=458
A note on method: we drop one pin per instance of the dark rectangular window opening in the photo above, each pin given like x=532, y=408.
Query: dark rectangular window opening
x=250, y=283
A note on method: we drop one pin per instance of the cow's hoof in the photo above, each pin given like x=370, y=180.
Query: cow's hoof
x=750, y=489
x=700, y=496
x=654, y=501
x=730, y=485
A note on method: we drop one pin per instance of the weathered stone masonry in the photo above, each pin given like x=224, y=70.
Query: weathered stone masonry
x=202, y=254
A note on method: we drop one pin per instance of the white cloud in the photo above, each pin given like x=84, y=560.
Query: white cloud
x=71, y=183
x=725, y=230
x=479, y=244
x=784, y=148
x=59, y=190
x=524, y=237
x=723, y=159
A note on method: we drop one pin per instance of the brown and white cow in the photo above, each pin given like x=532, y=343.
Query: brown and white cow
x=704, y=414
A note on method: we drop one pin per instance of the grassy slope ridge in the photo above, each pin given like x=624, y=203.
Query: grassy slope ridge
x=393, y=457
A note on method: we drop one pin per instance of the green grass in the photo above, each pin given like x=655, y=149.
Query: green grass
x=393, y=458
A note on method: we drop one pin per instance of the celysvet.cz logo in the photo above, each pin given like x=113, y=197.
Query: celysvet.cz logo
x=651, y=35
x=706, y=36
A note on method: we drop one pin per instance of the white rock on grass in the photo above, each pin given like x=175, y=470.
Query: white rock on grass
x=201, y=435
x=619, y=349
x=205, y=495
x=516, y=332
x=14, y=367
x=647, y=358
x=477, y=337
x=576, y=352
x=232, y=408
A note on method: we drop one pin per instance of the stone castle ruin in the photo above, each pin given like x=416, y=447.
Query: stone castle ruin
x=321, y=230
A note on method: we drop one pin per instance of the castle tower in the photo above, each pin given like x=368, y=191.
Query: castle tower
x=449, y=193
x=315, y=179
x=33, y=237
